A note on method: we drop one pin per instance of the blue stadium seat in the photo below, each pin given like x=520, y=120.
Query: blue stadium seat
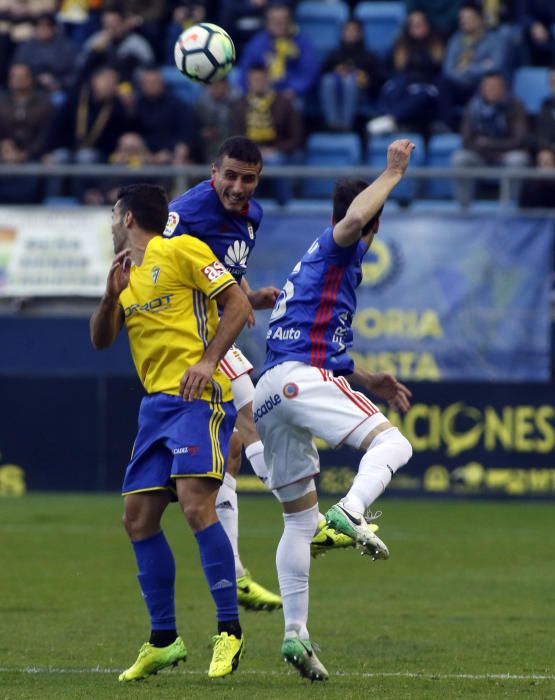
x=440, y=149
x=435, y=206
x=61, y=202
x=322, y=23
x=181, y=86
x=376, y=155
x=329, y=149
x=531, y=86
x=382, y=23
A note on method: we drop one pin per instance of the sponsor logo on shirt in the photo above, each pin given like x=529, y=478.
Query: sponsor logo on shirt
x=152, y=306
x=280, y=333
x=171, y=224
x=237, y=255
x=213, y=271
x=250, y=229
x=265, y=408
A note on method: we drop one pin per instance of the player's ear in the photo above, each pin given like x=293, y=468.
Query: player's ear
x=128, y=219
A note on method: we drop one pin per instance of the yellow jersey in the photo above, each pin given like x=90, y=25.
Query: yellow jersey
x=171, y=313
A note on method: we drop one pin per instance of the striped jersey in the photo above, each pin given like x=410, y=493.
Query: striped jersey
x=199, y=212
x=312, y=317
x=171, y=313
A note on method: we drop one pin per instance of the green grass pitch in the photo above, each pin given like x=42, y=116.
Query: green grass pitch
x=465, y=607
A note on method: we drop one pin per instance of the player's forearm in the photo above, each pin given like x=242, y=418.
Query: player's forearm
x=360, y=376
x=106, y=322
x=236, y=310
x=368, y=203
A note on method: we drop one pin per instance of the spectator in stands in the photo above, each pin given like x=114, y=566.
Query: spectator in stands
x=116, y=45
x=25, y=114
x=287, y=53
x=131, y=152
x=349, y=74
x=25, y=117
x=17, y=19
x=410, y=99
x=49, y=54
x=242, y=19
x=538, y=21
x=270, y=119
x=494, y=131
x=441, y=14
x=148, y=18
x=167, y=125
x=540, y=193
x=471, y=53
x=213, y=112
x=545, y=124
x=88, y=128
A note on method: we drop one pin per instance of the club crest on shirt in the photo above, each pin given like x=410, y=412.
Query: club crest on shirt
x=250, y=229
x=290, y=390
x=171, y=224
x=155, y=272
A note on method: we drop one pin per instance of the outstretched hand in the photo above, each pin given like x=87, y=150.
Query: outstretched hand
x=386, y=387
x=263, y=298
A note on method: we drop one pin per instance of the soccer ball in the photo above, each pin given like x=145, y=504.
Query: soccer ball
x=204, y=53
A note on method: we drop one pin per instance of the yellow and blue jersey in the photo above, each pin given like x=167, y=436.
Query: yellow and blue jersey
x=171, y=313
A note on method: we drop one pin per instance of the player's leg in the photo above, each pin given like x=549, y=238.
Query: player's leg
x=156, y=575
x=197, y=497
x=300, y=518
x=251, y=594
x=385, y=451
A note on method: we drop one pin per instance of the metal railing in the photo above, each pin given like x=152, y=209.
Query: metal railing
x=184, y=176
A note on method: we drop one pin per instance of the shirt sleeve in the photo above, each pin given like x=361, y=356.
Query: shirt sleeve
x=201, y=268
x=333, y=252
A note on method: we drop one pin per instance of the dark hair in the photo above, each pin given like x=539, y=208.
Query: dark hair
x=147, y=203
x=239, y=148
x=345, y=191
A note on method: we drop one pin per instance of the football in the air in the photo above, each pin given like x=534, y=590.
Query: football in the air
x=204, y=53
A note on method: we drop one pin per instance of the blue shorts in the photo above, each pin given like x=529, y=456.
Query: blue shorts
x=178, y=438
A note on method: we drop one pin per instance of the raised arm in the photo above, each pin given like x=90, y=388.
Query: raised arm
x=108, y=318
x=236, y=309
x=366, y=204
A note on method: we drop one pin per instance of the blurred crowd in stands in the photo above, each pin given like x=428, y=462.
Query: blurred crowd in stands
x=93, y=81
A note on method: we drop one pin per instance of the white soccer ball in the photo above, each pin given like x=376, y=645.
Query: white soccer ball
x=204, y=53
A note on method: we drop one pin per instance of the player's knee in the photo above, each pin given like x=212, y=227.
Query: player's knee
x=399, y=449
x=199, y=515
x=136, y=526
x=234, y=455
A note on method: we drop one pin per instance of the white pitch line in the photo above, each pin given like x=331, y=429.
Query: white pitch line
x=337, y=674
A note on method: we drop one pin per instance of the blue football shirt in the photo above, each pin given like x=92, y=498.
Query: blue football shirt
x=312, y=317
x=199, y=212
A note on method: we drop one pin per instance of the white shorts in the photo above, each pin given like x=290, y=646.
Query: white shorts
x=234, y=363
x=294, y=402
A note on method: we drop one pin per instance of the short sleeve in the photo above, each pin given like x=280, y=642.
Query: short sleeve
x=201, y=269
x=333, y=252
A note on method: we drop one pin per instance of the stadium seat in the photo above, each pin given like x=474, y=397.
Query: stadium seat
x=531, y=86
x=376, y=155
x=382, y=22
x=435, y=206
x=183, y=88
x=322, y=23
x=440, y=149
x=60, y=202
x=329, y=149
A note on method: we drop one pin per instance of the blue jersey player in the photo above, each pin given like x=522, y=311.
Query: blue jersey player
x=223, y=214
x=304, y=392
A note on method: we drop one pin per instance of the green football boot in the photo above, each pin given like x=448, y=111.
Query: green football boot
x=152, y=659
x=253, y=596
x=300, y=654
x=327, y=539
x=355, y=526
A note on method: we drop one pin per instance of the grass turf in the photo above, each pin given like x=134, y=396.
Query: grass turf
x=467, y=598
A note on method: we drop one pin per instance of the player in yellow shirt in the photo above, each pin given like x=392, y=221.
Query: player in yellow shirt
x=167, y=291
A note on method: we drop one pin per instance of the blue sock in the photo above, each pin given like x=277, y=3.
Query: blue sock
x=157, y=580
x=216, y=556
